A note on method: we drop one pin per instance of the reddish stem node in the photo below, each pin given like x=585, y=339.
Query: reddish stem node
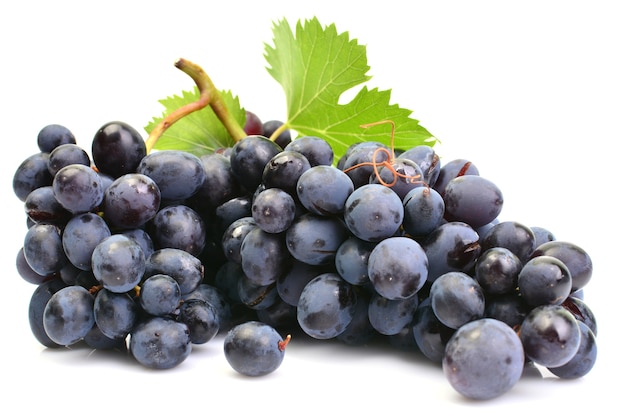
x=282, y=345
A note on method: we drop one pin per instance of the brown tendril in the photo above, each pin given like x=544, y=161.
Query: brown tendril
x=389, y=160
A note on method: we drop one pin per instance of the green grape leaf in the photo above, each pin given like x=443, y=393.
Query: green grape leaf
x=315, y=66
x=200, y=132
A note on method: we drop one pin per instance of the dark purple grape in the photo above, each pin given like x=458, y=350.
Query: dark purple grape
x=178, y=174
x=544, y=280
x=284, y=170
x=131, y=201
x=43, y=249
x=326, y=306
x=576, y=259
x=550, y=335
x=53, y=135
x=67, y=154
x=117, y=148
x=69, y=315
x=248, y=160
x=315, y=149
x=483, y=359
x=160, y=343
x=254, y=348
x=41, y=205
x=78, y=188
x=38, y=301
x=514, y=236
x=472, y=199
x=201, y=318
x=31, y=174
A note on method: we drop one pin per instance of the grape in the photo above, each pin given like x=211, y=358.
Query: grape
x=326, y=306
x=397, y=268
x=249, y=157
x=544, y=280
x=483, y=359
x=290, y=285
x=284, y=170
x=452, y=169
x=41, y=205
x=53, y=135
x=423, y=211
x=430, y=334
x=78, y=188
x=550, y=335
x=457, y=299
x=472, y=199
x=115, y=314
x=450, y=247
x=69, y=315
x=373, y=212
x=185, y=268
x=279, y=315
x=27, y=273
x=131, y=201
x=497, y=271
x=67, y=154
x=584, y=359
x=315, y=239
x=81, y=236
x=389, y=317
x=316, y=150
x=361, y=159
x=426, y=159
x=324, y=190
x=581, y=312
x=117, y=149
x=575, y=258
x=179, y=175
x=509, y=308
x=31, y=174
x=160, y=342
x=118, y=263
x=160, y=295
x=402, y=176
x=216, y=297
x=360, y=330
x=178, y=226
x=219, y=185
x=43, y=249
x=231, y=210
x=270, y=126
x=253, y=125
x=256, y=296
x=264, y=256
x=36, y=306
x=273, y=210
x=201, y=318
x=352, y=258
x=542, y=235
x=254, y=348
x=142, y=238
x=514, y=236
x=233, y=236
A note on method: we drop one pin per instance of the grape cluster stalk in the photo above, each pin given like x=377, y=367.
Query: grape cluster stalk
x=149, y=253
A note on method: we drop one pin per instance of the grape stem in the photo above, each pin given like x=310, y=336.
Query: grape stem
x=209, y=96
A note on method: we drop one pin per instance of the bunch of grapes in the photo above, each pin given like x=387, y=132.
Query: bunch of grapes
x=151, y=252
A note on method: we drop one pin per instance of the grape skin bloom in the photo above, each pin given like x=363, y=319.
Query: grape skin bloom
x=483, y=359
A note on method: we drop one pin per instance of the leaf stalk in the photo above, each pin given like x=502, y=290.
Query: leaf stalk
x=209, y=96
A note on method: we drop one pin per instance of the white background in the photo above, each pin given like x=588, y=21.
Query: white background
x=532, y=91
